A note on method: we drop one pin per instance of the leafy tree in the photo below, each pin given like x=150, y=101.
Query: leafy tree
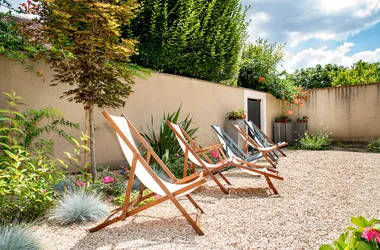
x=318, y=77
x=195, y=38
x=259, y=66
x=259, y=70
x=87, y=52
x=360, y=73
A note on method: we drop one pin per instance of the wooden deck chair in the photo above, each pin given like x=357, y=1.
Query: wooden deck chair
x=266, y=141
x=249, y=141
x=140, y=168
x=192, y=152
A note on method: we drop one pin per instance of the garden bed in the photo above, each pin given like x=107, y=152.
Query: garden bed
x=320, y=192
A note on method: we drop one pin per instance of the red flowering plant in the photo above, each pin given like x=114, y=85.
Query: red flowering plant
x=303, y=119
x=366, y=235
x=112, y=182
x=236, y=115
x=282, y=119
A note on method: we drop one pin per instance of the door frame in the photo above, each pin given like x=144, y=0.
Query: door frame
x=251, y=94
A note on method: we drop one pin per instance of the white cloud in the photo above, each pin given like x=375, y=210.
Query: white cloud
x=360, y=8
x=295, y=21
x=311, y=57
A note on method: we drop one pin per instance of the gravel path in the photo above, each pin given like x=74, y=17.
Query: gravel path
x=319, y=194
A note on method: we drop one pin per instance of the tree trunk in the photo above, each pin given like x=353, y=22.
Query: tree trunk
x=92, y=142
x=87, y=143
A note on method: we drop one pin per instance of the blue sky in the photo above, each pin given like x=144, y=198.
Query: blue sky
x=316, y=31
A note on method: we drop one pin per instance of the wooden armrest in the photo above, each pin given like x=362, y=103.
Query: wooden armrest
x=213, y=147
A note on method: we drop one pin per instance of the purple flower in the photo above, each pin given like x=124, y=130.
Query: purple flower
x=108, y=179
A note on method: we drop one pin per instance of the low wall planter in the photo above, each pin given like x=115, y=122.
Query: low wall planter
x=300, y=128
x=279, y=131
x=231, y=132
x=284, y=132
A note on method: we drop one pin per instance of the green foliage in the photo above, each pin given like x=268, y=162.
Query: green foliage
x=319, y=141
x=259, y=64
x=374, y=145
x=317, y=77
x=114, y=188
x=47, y=120
x=165, y=143
x=79, y=206
x=259, y=70
x=334, y=75
x=360, y=73
x=234, y=115
x=365, y=236
x=119, y=200
x=86, y=50
x=14, y=44
x=27, y=175
x=197, y=38
x=17, y=237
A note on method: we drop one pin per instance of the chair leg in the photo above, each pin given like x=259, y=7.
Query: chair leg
x=194, y=203
x=224, y=178
x=279, y=150
x=270, y=184
x=219, y=184
x=187, y=216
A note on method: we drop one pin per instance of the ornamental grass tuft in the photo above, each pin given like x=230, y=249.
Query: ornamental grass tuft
x=17, y=237
x=79, y=206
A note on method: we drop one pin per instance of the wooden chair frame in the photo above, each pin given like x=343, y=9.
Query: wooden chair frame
x=127, y=209
x=192, y=146
x=264, y=138
x=249, y=141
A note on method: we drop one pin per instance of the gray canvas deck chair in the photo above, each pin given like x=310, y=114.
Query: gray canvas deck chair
x=141, y=169
x=232, y=149
x=256, y=144
x=192, y=152
x=264, y=139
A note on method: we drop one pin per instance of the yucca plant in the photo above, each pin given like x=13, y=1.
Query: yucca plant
x=79, y=206
x=164, y=143
x=17, y=237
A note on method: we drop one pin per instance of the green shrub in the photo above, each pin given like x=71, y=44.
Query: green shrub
x=28, y=175
x=119, y=200
x=79, y=206
x=319, y=141
x=365, y=236
x=17, y=237
x=374, y=145
x=111, y=183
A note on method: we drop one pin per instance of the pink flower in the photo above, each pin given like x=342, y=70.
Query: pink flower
x=80, y=183
x=157, y=196
x=108, y=179
x=214, y=154
x=370, y=233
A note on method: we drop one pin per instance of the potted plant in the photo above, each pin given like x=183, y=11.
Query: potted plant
x=279, y=128
x=300, y=126
x=235, y=117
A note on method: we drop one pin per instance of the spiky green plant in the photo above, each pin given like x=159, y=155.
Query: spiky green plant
x=17, y=237
x=164, y=143
x=79, y=206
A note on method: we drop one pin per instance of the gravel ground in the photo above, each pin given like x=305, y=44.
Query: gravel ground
x=319, y=194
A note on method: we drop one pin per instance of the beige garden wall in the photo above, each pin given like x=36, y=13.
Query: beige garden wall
x=207, y=102
x=348, y=113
